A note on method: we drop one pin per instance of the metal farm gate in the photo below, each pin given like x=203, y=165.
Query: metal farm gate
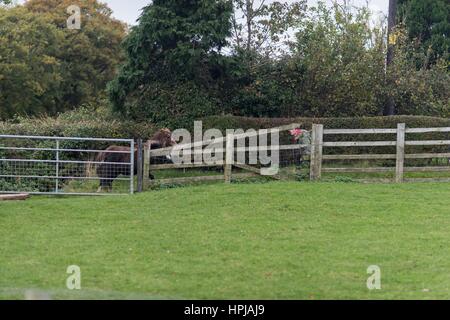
x=65, y=166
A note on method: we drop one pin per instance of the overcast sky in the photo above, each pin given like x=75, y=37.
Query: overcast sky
x=129, y=10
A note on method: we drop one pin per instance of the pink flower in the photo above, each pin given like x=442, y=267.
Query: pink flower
x=296, y=133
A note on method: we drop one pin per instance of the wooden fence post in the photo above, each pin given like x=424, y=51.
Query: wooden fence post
x=400, y=162
x=146, y=171
x=140, y=166
x=229, y=158
x=316, y=152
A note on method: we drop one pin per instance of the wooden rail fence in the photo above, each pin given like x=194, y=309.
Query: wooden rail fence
x=318, y=146
x=317, y=156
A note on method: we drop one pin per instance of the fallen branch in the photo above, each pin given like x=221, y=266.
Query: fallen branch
x=7, y=197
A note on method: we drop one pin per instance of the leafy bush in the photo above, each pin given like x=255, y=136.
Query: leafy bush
x=175, y=105
x=227, y=122
x=340, y=63
x=8, y=184
x=420, y=88
x=84, y=122
x=99, y=123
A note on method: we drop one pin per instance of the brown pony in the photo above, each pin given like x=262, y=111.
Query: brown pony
x=108, y=170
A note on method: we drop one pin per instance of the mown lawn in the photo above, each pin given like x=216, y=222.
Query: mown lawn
x=280, y=240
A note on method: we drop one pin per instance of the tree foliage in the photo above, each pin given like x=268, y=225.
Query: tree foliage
x=187, y=59
x=174, y=50
x=30, y=72
x=340, y=60
x=89, y=56
x=47, y=68
x=428, y=24
x=419, y=88
x=335, y=67
x=263, y=26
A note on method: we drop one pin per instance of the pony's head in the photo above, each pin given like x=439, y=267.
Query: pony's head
x=162, y=139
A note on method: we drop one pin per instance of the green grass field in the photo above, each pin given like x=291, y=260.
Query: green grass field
x=278, y=240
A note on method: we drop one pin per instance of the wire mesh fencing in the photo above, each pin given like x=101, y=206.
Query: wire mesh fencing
x=61, y=165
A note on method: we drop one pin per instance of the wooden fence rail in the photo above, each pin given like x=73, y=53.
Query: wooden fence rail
x=400, y=143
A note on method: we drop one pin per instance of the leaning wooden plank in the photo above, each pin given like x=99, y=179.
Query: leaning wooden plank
x=267, y=131
x=359, y=131
x=287, y=127
x=360, y=144
x=351, y=170
x=426, y=130
x=359, y=157
x=273, y=148
x=6, y=197
x=161, y=152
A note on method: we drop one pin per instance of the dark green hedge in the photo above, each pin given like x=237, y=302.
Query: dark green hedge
x=94, y=125
x=224, y=122
x=82, y=123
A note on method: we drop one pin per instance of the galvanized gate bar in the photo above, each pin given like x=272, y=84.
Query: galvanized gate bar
x=64, y=138
x=63, y=150
x=63, y=161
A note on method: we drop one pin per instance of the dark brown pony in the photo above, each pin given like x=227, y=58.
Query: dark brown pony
x=108, y=170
